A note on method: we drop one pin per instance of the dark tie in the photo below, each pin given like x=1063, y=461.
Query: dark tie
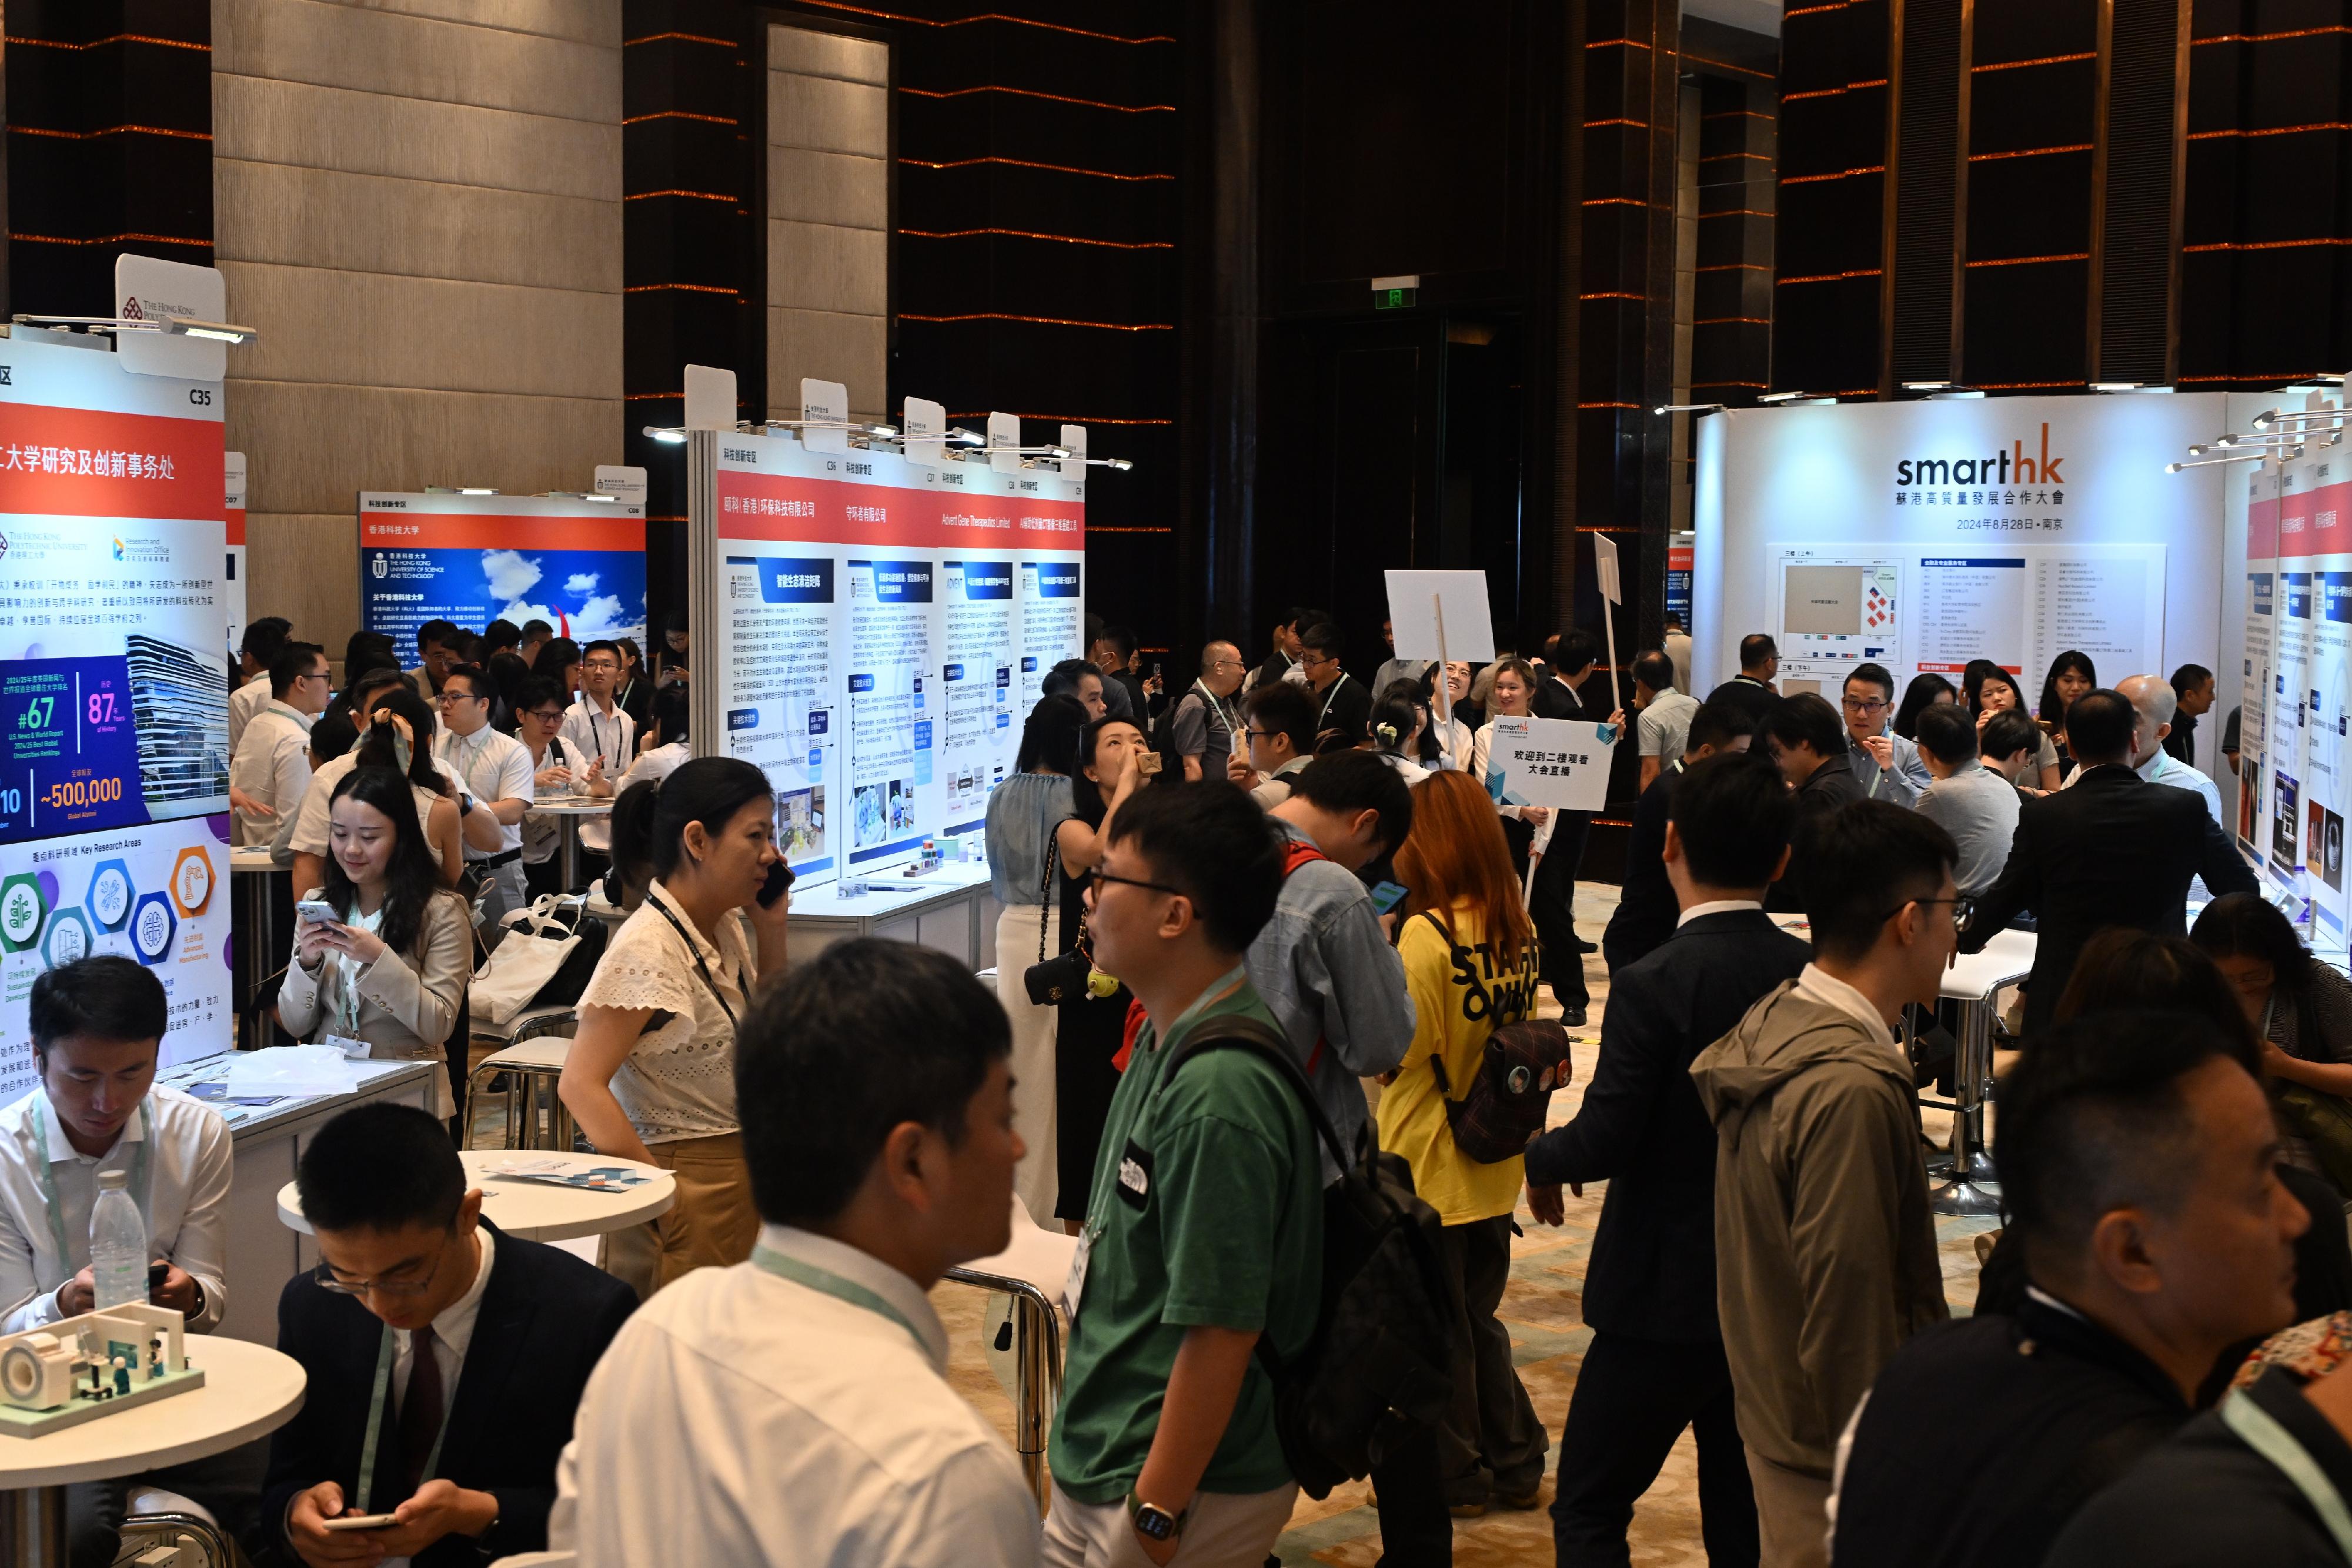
x=420, y=1410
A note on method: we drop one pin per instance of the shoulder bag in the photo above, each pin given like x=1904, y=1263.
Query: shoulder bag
x=1053, y=981
x=1504, y=1104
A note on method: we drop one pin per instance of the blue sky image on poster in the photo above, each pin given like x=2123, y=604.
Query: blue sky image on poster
x=584, y=594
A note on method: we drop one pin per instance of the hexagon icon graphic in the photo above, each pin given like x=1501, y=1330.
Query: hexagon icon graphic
x=22, y=910
x=192, y=881
x=110, y=895
x=153, y=926
x=69, y=938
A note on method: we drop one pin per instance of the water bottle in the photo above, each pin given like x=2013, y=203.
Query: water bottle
x=118, y=1243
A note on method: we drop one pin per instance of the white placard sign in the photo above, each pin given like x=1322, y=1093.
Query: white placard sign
x=149, y=288
x=1419, y=599
x=1003, y=436
x=825, y=415
x=926, y=430
x=710, y=398
x=1559, y=763
x=625, y=480
x=1074, y=442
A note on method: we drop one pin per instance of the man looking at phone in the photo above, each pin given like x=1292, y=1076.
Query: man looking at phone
x=96, y=1024
x=498, y=775
x=419, y=1310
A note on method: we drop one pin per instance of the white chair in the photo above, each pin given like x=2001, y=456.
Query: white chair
x=1032, y=1270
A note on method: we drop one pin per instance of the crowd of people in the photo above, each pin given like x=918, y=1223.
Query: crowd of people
x=1253, y=934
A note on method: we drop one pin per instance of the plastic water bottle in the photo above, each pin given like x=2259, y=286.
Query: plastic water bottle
x=118, y=1243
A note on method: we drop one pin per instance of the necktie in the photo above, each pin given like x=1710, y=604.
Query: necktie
x=420, y=1410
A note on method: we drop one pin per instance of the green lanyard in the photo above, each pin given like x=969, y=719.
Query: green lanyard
x=833, y=1285
x=142, y=1177
x=383, y=1360
x=2260, y=1430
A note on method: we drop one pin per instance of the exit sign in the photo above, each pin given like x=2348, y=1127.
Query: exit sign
x=1396, y=293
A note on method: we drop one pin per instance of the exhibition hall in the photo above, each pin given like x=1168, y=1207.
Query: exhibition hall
x=879, y=785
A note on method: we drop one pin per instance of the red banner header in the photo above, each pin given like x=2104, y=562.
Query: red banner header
x=76, y=463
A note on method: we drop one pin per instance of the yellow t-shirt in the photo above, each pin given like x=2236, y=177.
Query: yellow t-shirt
x=1451, y=1019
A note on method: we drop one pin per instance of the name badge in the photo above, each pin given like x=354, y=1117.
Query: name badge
x=1074, y=1288
x=353, y=1049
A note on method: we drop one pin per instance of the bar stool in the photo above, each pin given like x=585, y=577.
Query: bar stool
x=540, y=1040
x=1032, y=1270
x=160, y=1517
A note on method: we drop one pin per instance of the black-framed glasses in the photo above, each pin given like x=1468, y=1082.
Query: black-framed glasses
x=1964, y=909
x=330, y=1281
x=546, y=716
x=1097, y=877
x=1863, y=705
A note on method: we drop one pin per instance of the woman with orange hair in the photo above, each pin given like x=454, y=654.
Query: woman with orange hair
x=1470, y=964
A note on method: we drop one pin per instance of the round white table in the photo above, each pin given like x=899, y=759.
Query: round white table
x=538, y=1211
x=249, y=1390
x=568, y=811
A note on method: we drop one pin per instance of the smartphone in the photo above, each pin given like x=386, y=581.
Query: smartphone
x=363, y=1522
x=778, y=883
x=1386, y=896
x=316, y=910
x=157, y=1272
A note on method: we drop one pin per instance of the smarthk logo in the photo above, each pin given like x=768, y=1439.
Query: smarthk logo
x=2010, y=467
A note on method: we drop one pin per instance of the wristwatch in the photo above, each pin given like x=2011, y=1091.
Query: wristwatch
x=1151, y=1522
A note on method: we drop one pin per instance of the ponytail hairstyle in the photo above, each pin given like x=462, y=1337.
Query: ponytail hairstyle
x=1403, y=707
x=671, y=705
x=649, y=820
x=632, y=826
x=411, y=878
x=399, y=736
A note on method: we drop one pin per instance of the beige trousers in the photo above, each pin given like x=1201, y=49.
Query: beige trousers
x=1792, y=1515
x=1225, y=1529
x=714, y=1222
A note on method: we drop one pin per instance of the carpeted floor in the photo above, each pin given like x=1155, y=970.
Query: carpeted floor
x=1543, y=1310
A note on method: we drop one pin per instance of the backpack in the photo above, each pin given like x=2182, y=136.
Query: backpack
x=1521, y=1064
x=1374, y=1370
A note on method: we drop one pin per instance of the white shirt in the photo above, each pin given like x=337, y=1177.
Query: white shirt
x=243, y=704
x=1722, y=906
x=1482, y=749
x=589, y=732
x=677, y=1081
x=188, y=1212
x=741, y=1418
x=310, y=834
x=1453, y=743
x=494, y=768
x=1831, y=991
x=657, y=764
x=272, y=767
x=453, y=1330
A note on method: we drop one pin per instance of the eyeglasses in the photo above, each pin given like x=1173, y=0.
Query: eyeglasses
x=330, y=1281
x=447, y=698
x=1228, y=665
x=546, y=716
x=1861, y=704
x=1964, y=910
x=605, y=665
x=1096, y=878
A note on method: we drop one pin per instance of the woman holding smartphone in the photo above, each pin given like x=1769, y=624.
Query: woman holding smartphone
x=386, y=977
x=651, y=1073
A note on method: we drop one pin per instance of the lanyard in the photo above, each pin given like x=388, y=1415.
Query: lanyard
x=2260, y=1431
x=384, y=1359
x=143, y=1181
x=833, y=1285
x=1225, y=715
x=696, y=948
x=1330, y=696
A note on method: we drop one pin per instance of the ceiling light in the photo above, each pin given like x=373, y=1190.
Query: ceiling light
x=474, y=490
x=668, y=435
x=1688, y=408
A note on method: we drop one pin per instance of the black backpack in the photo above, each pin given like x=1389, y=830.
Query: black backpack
x=1375, y=1368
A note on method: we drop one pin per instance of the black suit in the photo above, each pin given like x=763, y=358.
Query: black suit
x=1646, y=909
x=1830, y=786
x=2112, y=850
x=1657, y=1362
x=545, y=1318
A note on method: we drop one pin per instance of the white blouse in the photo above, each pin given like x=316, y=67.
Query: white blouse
x=1482, y=747
x=678, y=1082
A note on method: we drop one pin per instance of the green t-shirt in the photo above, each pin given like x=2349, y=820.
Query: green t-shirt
x=1207, y=1212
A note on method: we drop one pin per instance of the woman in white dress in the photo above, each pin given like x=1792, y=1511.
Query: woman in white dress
x=1529, y=828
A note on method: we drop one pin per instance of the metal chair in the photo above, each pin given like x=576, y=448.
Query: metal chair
x=539, y=1042
x=155, y=1518
x=1032, y=1270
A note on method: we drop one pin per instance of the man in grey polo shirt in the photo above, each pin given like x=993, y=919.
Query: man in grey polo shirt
x=1662, y=717
x=1976, y=806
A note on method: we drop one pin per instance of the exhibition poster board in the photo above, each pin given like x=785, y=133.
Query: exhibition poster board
x=873, y=630
x=577, y=564
x=1921, y=535
x=2260, y=667
x=114, y=697
x=232, y=579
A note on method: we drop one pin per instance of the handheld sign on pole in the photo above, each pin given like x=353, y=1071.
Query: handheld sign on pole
x=1560, y=764
x=1604, y=560
x=1441, y=615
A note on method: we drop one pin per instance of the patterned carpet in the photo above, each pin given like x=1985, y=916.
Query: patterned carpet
x=1542, y=1309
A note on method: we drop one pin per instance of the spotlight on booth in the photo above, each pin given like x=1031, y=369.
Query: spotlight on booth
x=666, y=435
x=217, y=331
x=1783, y=399
x=1688, y=408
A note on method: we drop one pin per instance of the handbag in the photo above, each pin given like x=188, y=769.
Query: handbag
x=1504, y=1104
x=1053, y=981
x=550, y=951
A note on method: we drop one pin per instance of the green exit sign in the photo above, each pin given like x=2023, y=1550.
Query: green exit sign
x=1396, y=293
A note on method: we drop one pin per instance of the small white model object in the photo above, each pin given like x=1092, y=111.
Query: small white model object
x=79, y=1369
